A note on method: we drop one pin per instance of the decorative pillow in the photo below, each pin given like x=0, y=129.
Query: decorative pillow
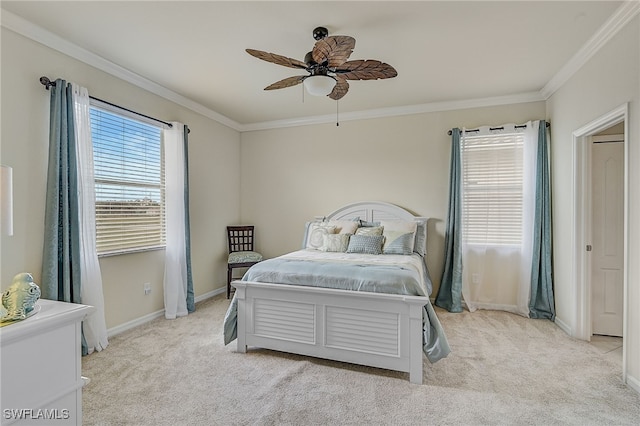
x=305, y=237
x=369, y=230
x=420, y=245
x=335, y=242
x=399, y=236
x=344, y=226
x=368, y=244
x=315, y=231
x=401, y=245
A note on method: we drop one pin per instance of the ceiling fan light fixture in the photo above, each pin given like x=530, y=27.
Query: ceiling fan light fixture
x=319, y=85
x=330, y=54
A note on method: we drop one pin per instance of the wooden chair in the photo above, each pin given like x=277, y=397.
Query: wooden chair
x=241, y=253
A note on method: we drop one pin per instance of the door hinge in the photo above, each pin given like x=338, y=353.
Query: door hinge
x=589, y=247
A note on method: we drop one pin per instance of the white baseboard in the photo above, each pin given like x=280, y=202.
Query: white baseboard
x=134, y=323
x=157, y=314
x=633, y=383
x=563, y=326
x=210, y=294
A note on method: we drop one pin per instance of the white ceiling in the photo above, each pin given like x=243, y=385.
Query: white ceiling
x=444, y=52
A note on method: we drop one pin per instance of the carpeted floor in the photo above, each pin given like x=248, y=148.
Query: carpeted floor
x=503, y=370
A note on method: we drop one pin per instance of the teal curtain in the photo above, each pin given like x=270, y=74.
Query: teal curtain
x=541, y=304
x=191, y=306
x=61, y=261
x=450, y=292
x=61, y=269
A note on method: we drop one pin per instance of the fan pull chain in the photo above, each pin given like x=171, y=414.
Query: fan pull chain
x=337, y=115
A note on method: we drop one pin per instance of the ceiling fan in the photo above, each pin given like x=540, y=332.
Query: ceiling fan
x=327, y=66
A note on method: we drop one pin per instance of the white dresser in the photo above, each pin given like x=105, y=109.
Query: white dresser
x=40, y=366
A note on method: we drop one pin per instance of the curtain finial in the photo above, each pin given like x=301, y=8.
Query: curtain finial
x=46, y=82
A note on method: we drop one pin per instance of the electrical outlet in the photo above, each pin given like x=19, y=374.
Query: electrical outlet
x=147, y=288
x=475, y=278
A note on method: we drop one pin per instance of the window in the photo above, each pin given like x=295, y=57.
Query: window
x=129, y=182
x=492, y=188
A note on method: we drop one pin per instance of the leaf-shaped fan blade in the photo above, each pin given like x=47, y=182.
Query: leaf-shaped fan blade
x=335, y=49
x=286, y=82
x=369, y=69
x=277, y=59
x=340, y=89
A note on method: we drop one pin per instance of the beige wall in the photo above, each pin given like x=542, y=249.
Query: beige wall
x=610, y=79
x=291, y=175
x=214, y=157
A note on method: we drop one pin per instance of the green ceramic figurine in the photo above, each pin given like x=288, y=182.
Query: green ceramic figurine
x=19, y=299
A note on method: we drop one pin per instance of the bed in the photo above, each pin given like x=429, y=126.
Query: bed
x=343, y=296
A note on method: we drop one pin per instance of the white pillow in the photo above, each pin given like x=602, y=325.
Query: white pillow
x=344, y=226
x=315, y=234
x=335, y=242
x=369, y=230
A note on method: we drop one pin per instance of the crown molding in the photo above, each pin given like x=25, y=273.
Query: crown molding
x=625, y=13
x=395, y=111
x=34, y=32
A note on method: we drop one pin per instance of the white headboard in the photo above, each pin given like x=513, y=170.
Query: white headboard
x=372, y=211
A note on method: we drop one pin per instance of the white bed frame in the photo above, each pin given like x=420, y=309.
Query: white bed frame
x=373, y=329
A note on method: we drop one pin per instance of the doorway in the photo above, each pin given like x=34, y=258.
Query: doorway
x=607, y=233
x=583, y=139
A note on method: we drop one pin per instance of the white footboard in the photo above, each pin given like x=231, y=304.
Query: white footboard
x=373, y=329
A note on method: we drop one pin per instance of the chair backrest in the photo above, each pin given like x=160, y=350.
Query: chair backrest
x=240, y=238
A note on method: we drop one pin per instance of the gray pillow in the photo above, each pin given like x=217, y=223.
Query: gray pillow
x=367, y=244
x=420, y=245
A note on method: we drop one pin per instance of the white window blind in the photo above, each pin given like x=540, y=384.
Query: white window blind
x=129, y=182
x=492, y=188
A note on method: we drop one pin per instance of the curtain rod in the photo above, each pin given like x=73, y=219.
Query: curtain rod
x=48, y=83
x=522, y=126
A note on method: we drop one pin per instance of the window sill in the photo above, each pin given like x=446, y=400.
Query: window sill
x=131, y=251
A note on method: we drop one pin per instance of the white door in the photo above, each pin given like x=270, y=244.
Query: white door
x=607, y=260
